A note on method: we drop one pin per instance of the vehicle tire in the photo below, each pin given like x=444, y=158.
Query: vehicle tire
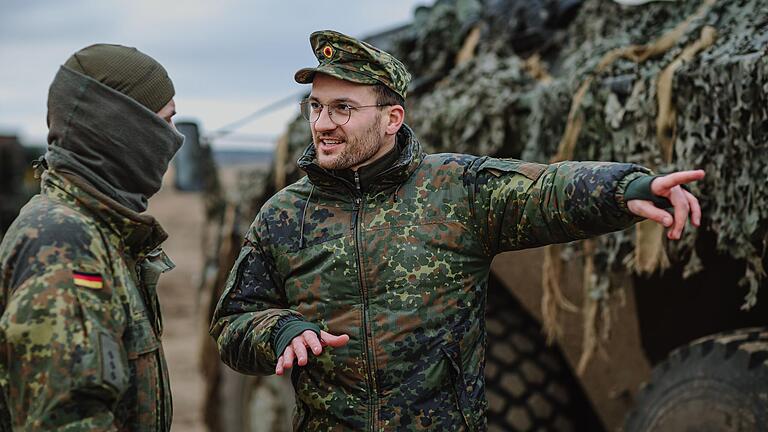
x=529, y=385
x=718, y=383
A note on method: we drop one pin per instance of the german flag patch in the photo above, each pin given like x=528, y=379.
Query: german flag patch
x=88, y=280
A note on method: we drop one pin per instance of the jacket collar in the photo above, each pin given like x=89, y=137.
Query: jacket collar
x=409, y=159
x=138, y=234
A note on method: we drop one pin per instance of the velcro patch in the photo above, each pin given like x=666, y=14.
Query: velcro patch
x=112, y=371
x=87, y=280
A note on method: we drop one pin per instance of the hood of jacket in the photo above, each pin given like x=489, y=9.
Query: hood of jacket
x=110, y=140
x=138, y=234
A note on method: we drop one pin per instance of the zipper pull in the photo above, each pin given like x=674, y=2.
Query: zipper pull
x=357, y=183
x=359, y=197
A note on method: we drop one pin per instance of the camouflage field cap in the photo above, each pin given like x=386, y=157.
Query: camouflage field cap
x=350, y=59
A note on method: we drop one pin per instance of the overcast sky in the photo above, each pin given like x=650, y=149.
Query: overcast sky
x=227, y=58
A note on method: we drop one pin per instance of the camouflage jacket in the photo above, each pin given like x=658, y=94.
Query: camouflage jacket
x=80, y=326
x=402, y=268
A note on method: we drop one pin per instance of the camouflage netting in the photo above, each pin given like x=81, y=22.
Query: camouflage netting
x=490, y=85
x=670, y=85
x=721, y=122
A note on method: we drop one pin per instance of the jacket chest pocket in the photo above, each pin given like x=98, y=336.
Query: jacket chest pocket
x=141, y=338
x=147, y=404
x=144, y=404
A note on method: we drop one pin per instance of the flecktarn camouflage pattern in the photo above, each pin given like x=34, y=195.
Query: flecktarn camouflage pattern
x=505, y=102
x=353, y=60
x=80, y=327
x=402, y=268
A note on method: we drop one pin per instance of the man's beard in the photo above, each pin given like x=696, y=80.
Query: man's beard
x=357, y=150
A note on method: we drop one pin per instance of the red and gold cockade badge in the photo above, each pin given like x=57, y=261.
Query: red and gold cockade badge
x=87, y=280
x=328, y=51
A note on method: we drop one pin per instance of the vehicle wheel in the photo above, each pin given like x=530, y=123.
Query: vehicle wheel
x=529, y=385
x=719, y=383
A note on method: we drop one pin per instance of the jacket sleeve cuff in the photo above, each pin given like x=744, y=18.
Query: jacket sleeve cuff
x=640, y=188
x=623, y=187
x=286, y=330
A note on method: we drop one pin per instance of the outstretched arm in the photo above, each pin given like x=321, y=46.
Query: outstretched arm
x=523, y=205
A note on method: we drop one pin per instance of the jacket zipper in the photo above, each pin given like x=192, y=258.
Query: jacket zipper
x=367, y=337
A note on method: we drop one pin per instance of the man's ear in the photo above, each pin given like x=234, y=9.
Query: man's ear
x=395, y=119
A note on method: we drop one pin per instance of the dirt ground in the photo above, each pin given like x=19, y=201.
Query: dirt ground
x=181, y=214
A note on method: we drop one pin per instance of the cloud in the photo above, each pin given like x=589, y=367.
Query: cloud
x=226, y=58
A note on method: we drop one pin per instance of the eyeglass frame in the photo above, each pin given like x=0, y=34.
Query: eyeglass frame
x=330, y=116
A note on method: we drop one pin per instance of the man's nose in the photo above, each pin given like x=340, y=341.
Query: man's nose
x=324, y=122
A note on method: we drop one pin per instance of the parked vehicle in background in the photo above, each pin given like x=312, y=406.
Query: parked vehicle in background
x=17, y=182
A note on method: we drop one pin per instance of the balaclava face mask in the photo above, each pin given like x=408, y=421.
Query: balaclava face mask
x=103, y=125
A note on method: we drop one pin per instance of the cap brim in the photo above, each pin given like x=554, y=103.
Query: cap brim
x=306, y=75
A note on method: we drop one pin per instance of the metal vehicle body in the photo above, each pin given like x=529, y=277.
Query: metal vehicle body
x=17, y=182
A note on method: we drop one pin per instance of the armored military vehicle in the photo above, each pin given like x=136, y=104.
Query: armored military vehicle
x=17, y=183
x=624, y=331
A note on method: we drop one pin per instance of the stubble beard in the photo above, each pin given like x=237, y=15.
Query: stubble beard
x=357, y=150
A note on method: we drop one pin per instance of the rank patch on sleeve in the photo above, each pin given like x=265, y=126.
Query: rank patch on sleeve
x=88, y=280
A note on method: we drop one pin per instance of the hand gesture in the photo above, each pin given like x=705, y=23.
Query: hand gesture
x=298, y=348
x=683, y=202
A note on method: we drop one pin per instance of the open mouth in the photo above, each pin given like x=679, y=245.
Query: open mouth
x=328, y=144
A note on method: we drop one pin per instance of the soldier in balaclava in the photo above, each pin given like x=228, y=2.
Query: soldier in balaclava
x=80, y=327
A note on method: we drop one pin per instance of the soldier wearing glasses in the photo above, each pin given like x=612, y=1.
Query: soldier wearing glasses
x=382, y=253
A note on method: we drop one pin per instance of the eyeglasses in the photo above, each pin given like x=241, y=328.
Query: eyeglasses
x=339, y=112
